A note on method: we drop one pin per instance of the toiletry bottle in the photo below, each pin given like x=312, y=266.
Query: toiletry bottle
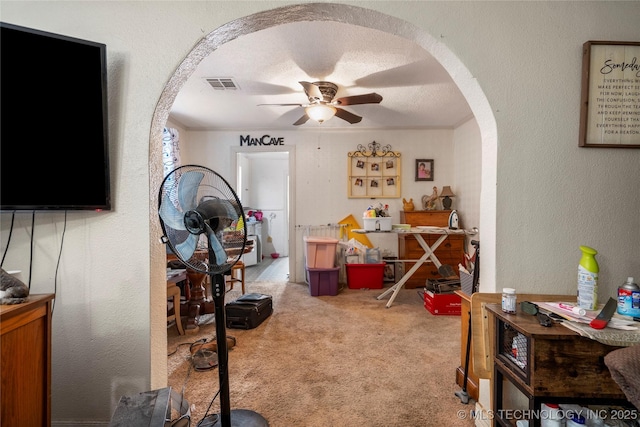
x=588, y=279
x=629, y=298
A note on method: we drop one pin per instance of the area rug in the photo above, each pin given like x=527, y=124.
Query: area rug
x=343, y=360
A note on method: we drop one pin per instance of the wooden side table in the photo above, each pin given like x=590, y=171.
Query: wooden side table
x=548, y=365
x=173, y=292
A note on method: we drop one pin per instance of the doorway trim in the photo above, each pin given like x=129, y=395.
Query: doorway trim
x=353, y=15
x=291, y=216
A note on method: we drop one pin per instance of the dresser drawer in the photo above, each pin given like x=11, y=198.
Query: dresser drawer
x=450, y=252
x=420, y=277
x=411, y=248
x=433, y=218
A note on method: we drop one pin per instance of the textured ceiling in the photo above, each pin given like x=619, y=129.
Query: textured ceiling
x=267, y=66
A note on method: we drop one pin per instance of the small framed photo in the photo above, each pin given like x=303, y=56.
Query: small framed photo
x=424, y=169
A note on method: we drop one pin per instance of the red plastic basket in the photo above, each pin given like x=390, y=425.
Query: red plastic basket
x=361, y=276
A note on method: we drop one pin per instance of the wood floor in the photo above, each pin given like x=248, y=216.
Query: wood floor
x=269, y=270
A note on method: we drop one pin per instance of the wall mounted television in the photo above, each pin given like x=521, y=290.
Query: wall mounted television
x=54, y=144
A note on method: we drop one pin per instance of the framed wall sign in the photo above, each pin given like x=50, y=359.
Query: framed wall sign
x=610, y=105
x=424, y=169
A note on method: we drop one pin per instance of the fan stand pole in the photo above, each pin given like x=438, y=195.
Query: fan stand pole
x=237, y=417
x=217, y=281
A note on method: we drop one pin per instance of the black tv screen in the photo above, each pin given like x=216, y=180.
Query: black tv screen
x=54, y=151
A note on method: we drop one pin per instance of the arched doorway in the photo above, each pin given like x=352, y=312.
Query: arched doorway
x=317, y=12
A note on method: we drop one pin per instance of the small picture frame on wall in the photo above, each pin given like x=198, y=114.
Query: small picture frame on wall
x=424, y=169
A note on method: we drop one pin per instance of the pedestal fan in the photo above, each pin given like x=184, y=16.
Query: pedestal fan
x=198, y=207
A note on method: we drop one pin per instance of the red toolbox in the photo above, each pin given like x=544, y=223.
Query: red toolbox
x=440, y=304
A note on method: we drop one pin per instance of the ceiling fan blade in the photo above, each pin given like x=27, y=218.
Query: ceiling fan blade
x=369, y=98
x=186, y=249
x=170, y=215
x=302, y=120
x=346, y=115
x=311, y=90
x=281, y=105
x=218, y=250
x=188, y=189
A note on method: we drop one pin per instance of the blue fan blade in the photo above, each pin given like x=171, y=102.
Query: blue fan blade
x=170, y=215
x=218, y=250
x=188, y=189
x=187, y=248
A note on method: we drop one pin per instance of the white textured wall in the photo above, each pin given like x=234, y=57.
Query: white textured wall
x=467, y=158
x=550, y=195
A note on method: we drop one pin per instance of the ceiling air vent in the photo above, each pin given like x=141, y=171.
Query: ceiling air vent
x=222, y=83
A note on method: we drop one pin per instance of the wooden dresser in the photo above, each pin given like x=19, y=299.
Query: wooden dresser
x=450, y=252
x=25, y=359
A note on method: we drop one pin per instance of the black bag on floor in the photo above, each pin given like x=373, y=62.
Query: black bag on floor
x=248, y=311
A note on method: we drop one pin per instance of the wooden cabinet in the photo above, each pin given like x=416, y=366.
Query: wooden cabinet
x=547, y=364
x=25, y=358
x=450, y=252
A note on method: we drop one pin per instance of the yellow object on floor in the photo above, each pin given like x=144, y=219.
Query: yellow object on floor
x=351, y=223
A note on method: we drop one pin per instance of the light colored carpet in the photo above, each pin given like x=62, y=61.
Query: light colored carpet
x=342, y=360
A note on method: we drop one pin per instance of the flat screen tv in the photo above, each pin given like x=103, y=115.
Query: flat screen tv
x=54, y=152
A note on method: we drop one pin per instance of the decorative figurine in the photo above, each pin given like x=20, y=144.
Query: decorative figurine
x=407, y=206
x=429, y=202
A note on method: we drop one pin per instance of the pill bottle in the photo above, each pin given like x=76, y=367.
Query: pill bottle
x=509, y=300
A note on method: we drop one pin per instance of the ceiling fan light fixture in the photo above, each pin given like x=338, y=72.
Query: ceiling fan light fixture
x=320, y=112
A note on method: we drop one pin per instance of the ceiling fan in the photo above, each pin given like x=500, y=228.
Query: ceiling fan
x=323, y=104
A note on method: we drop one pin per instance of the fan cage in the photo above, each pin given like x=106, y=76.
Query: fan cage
x=230, y=230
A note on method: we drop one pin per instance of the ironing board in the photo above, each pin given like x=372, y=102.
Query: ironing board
x=429, y=252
